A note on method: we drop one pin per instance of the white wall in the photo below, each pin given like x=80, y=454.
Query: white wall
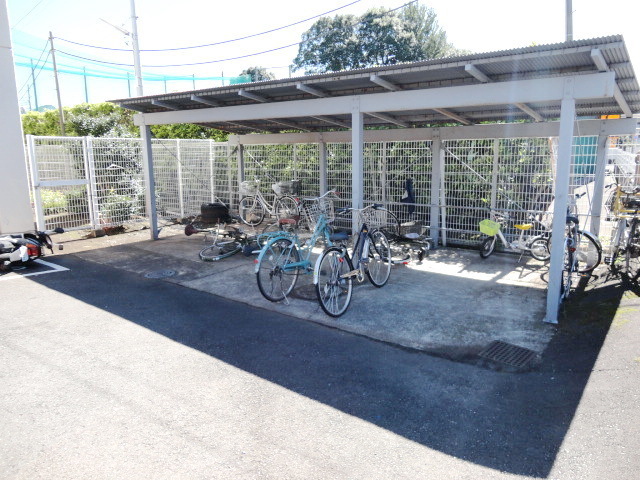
x=15, y=209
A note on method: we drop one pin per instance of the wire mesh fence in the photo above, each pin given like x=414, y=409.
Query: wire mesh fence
x=93, y=182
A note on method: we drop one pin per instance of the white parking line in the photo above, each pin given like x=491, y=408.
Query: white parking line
x=54, y=268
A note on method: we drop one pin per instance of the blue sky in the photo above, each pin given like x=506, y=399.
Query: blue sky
x=470, y=24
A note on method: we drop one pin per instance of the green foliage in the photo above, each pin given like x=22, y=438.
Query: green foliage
x=188, y=130
x=53, y=201
x=379, y=37
x=117, y=208
x=258, y=74
x=77, y=201
x=106, y=120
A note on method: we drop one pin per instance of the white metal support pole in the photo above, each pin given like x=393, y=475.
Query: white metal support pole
x=89, y=167
x=180, y=182
x=212, y=172
x=383, y=174
x=598, y=186
x=443, y=200
x=229, y=175
x=240, y=168
x=563, y=170
x=35, y=180
x=357, y=160
x=494, y=174
x=147, y=167
x=55, y=76
x=436, y=173
x=322, y=152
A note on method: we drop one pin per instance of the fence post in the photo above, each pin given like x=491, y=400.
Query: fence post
x=494, y=173
x=35, y=178
x=436, y=175
x=240, y=167
x=212, y=175
x=322, y=152
x=383, y=173
x=90, y=172
x=180, y=186
x=598, y=185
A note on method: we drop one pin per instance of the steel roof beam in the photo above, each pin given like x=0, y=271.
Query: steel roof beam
x=384, y=83
x=206, y=101
x=452, y=115
x=161, y=103
x=311, y=90
x=288, y=125
x=332, y=121
x=388, y=118
x=601, y=64
x=587, y=86
x=253, y=96
x=475, y=72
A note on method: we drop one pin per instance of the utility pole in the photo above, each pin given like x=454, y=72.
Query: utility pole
x=136, y=49
x=569, y=21
x=33, y=81
x=55, y=75
x=86, y=90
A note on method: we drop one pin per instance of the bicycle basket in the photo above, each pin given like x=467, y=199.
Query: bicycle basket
x=248, y=187
x=489, y=227
x=414, y=226
x=290, y=187
x=374, y=218
x=315, y=207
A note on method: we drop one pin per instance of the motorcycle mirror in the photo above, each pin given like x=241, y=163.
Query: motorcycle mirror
x=59, y=230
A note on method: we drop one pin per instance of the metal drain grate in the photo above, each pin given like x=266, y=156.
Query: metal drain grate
x=160, y=274
x=508, y=354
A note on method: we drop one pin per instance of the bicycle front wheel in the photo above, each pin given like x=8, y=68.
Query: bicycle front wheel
x=379, y=266
x=286, y=207
x=488, y=246
x=220, y=250
x=276, y=279
x=332, y=288
x=251, y=211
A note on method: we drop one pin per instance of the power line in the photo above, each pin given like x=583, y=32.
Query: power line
x=216, y=43
x=225, y=59
x=27, y=14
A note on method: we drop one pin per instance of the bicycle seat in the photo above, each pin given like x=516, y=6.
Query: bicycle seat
x=287, y=221
x=572, y=219
x=524, y=226
x=339, y=236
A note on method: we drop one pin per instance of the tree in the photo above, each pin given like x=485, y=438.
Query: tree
x=258, y=74
x=379, y=37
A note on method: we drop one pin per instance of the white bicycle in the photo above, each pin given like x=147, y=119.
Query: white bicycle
x=254, y=207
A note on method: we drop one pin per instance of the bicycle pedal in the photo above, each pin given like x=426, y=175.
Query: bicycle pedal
x=352, y=273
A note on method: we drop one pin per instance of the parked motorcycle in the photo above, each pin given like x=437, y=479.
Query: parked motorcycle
x=22, y=249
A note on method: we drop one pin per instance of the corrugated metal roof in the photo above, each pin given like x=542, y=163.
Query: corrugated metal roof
x=540, y=61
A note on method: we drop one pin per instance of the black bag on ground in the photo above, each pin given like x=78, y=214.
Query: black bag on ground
x=215, y=213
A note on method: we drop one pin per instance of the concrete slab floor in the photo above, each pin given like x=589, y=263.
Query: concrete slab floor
x=453, y=303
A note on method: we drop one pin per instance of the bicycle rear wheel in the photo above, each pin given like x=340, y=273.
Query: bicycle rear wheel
x=540, y=249
x=379, y=266
x=333, y=290
x=220, y=250
x=286, y=207
x=632, y=250
x=588, y=252
x=275, y=279
x=251, y=211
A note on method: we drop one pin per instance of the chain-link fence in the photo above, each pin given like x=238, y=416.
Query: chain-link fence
x=94, y=182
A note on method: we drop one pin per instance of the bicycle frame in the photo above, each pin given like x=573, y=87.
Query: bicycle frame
x=305, y=250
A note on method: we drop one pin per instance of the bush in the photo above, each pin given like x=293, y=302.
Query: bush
x=117, y=208
x=53, y=201
x=77, y=201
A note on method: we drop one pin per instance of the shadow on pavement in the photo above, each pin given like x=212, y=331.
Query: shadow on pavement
x=510, y=422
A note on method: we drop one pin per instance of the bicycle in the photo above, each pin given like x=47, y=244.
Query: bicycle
x=626, y=235
x=407, y=240
x=284, y=256
x=537, y=245
x=570, y=258
x=254, y=206
x=336, y=268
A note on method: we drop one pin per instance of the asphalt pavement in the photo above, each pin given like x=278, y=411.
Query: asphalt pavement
x=107, y=373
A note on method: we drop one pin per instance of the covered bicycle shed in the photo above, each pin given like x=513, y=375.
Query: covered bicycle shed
x=540, y=91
